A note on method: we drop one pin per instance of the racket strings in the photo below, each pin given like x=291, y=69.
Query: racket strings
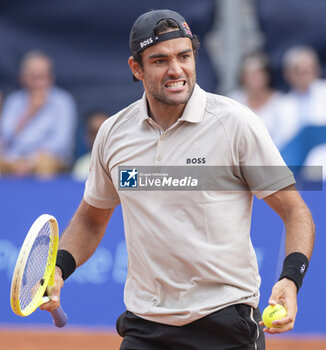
x=38, y=262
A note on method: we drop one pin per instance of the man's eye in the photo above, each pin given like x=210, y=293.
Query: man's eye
x=159, y=61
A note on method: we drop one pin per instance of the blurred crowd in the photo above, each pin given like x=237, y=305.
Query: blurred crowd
x=296, y=119
x=38, y=123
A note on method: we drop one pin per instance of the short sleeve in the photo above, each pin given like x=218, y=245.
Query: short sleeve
x=99, y=189
x=261, y=164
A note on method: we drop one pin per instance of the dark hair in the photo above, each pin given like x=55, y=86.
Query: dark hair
x=161, y=27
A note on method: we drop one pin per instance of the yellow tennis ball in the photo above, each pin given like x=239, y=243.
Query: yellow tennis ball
x=273, y=313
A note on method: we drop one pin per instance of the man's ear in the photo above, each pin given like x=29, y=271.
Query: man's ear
x=136, y=68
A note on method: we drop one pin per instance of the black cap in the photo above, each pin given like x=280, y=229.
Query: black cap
x=142, y=33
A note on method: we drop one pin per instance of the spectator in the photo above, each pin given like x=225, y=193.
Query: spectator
x=37, y=127
x=256, y=91
x=304, y=105
x=81, y=167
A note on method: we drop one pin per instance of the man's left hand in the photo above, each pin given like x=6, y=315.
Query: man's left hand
x=284, y=292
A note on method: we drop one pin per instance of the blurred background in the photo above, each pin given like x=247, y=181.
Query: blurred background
x=64, y=70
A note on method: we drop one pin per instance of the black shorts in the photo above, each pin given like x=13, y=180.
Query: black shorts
x=235, y=327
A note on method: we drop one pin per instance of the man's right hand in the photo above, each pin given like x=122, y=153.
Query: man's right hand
x=54, y=303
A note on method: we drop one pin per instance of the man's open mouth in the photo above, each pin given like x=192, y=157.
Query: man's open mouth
x=176, y=84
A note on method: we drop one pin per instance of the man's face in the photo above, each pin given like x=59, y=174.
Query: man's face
x=303, y=73
x=168, y=71
x=36, y=74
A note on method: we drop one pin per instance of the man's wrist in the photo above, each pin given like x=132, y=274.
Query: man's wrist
x=66, y=262
x=288, y=282
x=294, y=268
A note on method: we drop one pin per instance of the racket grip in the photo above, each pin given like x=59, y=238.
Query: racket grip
x=60, y=318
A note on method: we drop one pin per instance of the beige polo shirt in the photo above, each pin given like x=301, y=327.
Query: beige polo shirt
x=189, y=252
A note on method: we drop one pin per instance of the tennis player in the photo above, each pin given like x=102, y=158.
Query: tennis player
x=193, y=280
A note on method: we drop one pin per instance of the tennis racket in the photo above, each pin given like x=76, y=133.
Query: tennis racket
x=33, y=277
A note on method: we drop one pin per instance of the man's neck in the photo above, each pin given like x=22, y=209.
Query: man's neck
x=165, y=115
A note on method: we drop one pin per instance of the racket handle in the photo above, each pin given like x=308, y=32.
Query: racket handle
x=60, y=318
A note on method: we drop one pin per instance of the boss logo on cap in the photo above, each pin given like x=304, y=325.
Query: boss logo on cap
x=146, y=42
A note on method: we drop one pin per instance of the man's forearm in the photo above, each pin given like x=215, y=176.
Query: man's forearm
x=300, y=231
x=84, y=232
x=299, y=225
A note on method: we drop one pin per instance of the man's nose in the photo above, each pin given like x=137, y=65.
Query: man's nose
x=174, y=68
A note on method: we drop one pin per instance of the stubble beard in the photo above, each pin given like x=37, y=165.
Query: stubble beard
x=163, y=98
